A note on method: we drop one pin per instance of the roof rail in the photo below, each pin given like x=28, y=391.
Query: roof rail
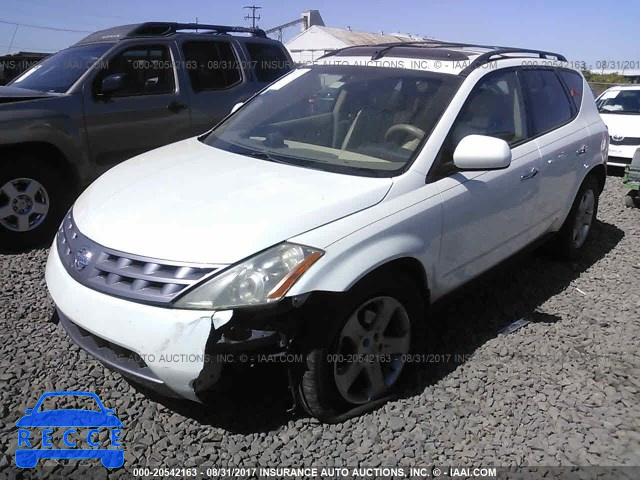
x=169, y=28
x=485, y=58
x=482, y=59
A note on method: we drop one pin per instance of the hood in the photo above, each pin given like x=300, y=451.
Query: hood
x=15, y=94
x=625, y=125
x=190, y=202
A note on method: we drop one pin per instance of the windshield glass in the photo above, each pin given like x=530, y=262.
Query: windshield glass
x=60, y=71
x=348, y=119
x=620, y=101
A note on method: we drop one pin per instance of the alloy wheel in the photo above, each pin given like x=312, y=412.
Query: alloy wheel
x=371, y=350
x=584, y=218
x=24, y=204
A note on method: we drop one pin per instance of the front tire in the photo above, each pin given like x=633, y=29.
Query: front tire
x=33, y=199
x=570, y=240
x=363, y=357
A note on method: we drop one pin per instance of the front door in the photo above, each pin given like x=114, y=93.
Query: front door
x=487, y=214
x=147, y=112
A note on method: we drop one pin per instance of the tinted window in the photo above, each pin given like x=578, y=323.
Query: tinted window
x=574, y=84
x=548, y=104
x=147, y=70
x=211, y=65
x=494, y=108
x=269, y=61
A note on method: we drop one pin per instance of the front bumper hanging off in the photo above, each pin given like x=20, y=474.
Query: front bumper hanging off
x=179, y=353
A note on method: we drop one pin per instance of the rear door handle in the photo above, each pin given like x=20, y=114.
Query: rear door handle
x=582, y=150
x=534, y=171
x=175, y=106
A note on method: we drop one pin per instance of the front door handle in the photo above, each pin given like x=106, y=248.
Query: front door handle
x=534, y=171
x=176, y=106
x=582, y=150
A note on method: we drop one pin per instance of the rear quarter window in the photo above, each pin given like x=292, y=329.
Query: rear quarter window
x=574, y=84
x=268, y=61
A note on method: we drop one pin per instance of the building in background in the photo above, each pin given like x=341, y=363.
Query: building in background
x=14, y=64
x=316, y=39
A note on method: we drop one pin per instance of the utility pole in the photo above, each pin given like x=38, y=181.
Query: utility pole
x=252, y=16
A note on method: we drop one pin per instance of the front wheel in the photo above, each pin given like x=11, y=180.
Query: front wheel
x=632, y=199
x=33, y=199
x=365, y=352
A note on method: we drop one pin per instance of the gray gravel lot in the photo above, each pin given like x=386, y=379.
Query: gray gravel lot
x=564, y=389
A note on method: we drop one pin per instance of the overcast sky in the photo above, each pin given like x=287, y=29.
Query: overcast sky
x=585, y=30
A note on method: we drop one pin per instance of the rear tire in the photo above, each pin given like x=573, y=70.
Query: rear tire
x=34, y=197
x=361, y=360
x=570, y=240
x=632, y=199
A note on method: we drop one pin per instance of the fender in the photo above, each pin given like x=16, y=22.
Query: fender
x=55, y=121
x=409, y=226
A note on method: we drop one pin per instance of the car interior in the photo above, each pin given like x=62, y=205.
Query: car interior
x=380, y=120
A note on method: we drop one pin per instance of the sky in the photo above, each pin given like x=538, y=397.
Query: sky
x=589, y=31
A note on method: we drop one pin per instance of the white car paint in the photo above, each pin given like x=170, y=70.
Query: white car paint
x=627, y=126
x=193, y=203
x=190, y=194
x=156, y=334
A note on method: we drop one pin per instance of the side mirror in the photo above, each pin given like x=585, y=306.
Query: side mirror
x=479, y=152
x=28, y=410
x=236, y=107
x=112, y=83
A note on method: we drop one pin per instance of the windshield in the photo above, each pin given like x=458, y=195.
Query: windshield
x=349, y=119
x=57, y=73
x=619, y=101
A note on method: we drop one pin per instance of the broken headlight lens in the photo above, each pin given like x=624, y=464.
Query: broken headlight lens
x=259, y=280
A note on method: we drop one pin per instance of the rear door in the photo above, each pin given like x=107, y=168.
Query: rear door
x=561, y=138
x=148, y=112
x=216, y=79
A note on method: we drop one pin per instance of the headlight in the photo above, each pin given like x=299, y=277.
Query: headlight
x=262, y=279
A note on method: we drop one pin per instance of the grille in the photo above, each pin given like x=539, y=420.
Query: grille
x=625, y=141
x=124, y=275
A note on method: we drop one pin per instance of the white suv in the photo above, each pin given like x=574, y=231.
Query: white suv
x=620, y=109
x=322, y=233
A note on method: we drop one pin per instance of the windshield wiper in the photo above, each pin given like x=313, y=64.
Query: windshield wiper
x=267, y=156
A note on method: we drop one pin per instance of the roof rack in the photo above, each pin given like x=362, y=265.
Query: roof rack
x=486, y=57
x=163, y=29
x=482, y=59
x=169, y=28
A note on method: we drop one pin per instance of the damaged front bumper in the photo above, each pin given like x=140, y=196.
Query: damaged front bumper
x=174, y=352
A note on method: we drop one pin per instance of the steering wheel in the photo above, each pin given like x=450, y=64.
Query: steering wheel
x=405, y=128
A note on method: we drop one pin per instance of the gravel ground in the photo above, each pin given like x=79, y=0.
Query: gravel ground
x=562, y=390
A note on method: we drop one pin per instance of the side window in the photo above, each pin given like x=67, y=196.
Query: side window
x=211, y=65
x=147, y=70
x=547, y=100
x=574, y=84
x=268, y=61
x=494, y=108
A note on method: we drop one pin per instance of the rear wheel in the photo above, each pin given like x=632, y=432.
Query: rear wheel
x=365, y=351
x=33, y=199
x=632, y=199
x=569, y=242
